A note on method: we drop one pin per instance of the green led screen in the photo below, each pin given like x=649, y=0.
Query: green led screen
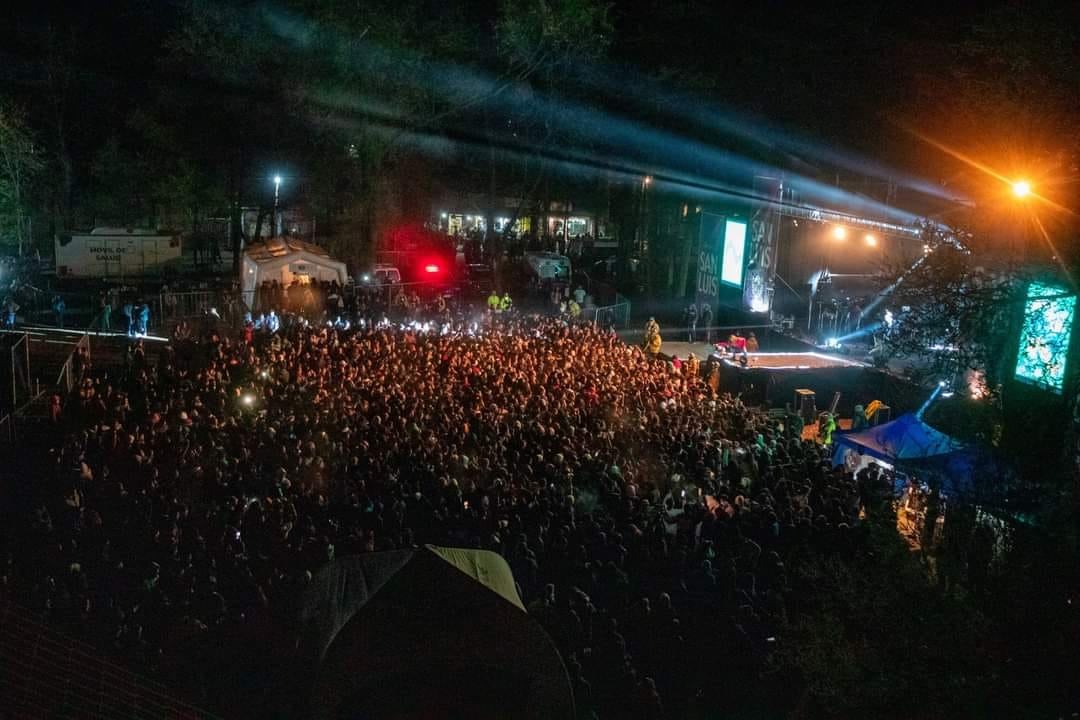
x=1044, y=338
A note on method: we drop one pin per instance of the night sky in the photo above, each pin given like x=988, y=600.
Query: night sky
x=843, y=74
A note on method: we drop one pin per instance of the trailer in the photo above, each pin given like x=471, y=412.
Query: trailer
x=117, y=253
x=548, y=267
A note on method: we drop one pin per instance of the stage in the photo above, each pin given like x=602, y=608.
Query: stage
x=763, y=360
x=791, y=361
x=772, y=377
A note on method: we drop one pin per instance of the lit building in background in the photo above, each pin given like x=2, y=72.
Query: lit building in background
x=462, y=214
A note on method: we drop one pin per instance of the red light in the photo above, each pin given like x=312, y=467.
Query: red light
x=431, y=268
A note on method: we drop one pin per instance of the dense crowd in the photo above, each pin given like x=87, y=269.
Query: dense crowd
x=649, y=519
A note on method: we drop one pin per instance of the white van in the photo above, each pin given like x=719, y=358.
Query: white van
x=381, y=274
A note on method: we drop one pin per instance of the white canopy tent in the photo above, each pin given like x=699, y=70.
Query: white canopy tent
x=287, y=260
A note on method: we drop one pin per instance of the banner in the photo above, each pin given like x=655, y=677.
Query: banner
x=761, y=254
x=710, y=260
x=756, y=290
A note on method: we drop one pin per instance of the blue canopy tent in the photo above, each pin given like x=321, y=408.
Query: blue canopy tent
x=908, y=444
x=905, y=438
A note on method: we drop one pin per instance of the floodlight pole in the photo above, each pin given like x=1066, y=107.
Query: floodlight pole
x=277, y=192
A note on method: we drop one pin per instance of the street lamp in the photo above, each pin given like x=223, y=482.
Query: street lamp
x=871, y=240
x=277, y=193
x=641, y=239
x=839, y=232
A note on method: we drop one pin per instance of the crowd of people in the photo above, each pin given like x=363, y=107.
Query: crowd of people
x=649, y=519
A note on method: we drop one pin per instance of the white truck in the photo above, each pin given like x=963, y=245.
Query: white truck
x=545, y=266
x=117, y=253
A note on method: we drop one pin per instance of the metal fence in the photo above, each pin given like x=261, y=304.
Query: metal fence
x=384, y=293
x=47, y=674
x=7, y=428
x=70, y=372
x=172, y=306
x=388, y=293
x=22, y=390
x=38, y=306
x=612, y=316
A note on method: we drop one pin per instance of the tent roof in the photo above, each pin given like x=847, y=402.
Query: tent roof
x=342, y=588
x=485, y=567
x=274, y=248
x=906, y=438
x=401, y=632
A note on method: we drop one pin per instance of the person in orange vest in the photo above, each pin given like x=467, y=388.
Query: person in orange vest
x=692, y=367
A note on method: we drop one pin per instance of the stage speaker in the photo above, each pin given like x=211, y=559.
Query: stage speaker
x=806, y=404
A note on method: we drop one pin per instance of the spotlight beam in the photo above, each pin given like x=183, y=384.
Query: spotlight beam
x=930, y=400
x=716, y=118
x=861, y=332
x=582, y=164
x=460, y=87
x=616, y=136
x=880, y=297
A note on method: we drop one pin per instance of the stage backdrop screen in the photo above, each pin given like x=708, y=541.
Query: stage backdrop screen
x=1044, y=337
x=731, y=270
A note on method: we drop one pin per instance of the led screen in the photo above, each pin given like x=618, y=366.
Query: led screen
x=1044, y=338
x=731, y=270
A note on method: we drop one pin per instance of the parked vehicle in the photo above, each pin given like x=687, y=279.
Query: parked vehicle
x=117, y=253
x=548, y=266
x=479, y=280
x=381, y=274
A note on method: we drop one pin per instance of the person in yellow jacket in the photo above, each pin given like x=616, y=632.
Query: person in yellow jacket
x=493, y=301
x=652, y=343
x=506, y=304
x=575, y=310
x=652, y=337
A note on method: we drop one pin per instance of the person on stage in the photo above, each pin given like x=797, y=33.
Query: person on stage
x=652, y=340
x=737, y=345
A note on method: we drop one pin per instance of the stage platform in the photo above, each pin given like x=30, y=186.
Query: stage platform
x=764, y=360
x=772, y=378
x=792, y=361
x=683, y=349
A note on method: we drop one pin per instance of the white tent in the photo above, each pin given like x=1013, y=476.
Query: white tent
x=287, y=260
